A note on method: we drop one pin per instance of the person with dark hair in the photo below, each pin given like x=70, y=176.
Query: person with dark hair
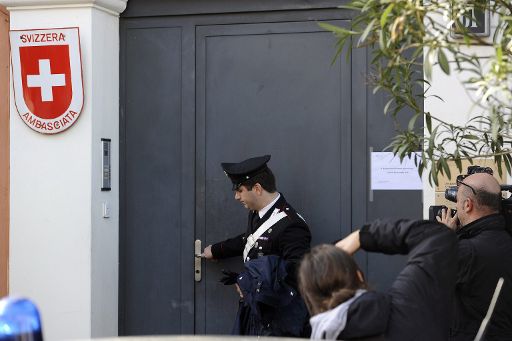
x=484, y=255
x=416, y=307
x=275, y=230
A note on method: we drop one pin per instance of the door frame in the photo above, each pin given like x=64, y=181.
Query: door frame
x=191, y=24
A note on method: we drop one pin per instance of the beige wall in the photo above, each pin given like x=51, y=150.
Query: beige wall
x=4, y=151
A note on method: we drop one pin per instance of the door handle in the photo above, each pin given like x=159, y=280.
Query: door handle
x=197, y=260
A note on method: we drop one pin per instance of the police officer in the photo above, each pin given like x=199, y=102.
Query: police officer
x=274, y=227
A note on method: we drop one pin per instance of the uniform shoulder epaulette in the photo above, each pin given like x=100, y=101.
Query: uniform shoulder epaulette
x=291, y=212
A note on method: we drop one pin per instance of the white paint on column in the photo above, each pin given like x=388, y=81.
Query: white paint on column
x=63, y=254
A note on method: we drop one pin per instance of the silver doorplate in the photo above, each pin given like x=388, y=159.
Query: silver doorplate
x=197, y=260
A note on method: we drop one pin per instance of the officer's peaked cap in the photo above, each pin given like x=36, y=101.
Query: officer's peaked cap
x=240, y=172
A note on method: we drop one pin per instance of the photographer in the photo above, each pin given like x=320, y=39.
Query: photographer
x=484, y=255
x=416, y=307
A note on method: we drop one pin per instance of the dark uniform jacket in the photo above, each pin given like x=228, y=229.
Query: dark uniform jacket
x=485, y=255
x=289, y=238
x=418, y=306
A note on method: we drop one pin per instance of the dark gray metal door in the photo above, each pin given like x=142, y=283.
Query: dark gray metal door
x=156, y=220
x=197, y=90
x=268, y=89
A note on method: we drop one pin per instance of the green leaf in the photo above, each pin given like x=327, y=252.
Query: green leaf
x=421, y=167
x=440, y=166
x=412, y=122
x=382, y=40
x=366, y=31
x=433, y=173
x=507, y=160
x=443, y=62
x=458, y=162
x=497, y=160
x=402, y=151
x=385, y=14
x=428, y=120
x=438, y=97
x=445, y=167
x=386, y=107
x=427, y=65
x=499, y=54
x=335, y=29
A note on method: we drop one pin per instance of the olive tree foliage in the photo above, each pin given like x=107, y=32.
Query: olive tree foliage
x=406, y=36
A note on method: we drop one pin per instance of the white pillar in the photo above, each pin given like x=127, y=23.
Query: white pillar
x=63, y=253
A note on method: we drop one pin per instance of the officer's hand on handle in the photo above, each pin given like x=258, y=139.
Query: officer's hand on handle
x=207, y=253
x=350, y=244
x=447, y=219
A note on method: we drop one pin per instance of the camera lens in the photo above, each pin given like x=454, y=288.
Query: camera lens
x=451, y=193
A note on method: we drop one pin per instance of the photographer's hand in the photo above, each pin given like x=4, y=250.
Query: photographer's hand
x=350, y=244
x=447, y=219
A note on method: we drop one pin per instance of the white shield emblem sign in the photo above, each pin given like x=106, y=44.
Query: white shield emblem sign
x=47, y=77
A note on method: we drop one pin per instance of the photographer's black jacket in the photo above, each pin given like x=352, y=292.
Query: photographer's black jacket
x=485, y=255
x=418, y=306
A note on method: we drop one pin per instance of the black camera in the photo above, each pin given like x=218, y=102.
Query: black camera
x=435, y=211
x=451, y=195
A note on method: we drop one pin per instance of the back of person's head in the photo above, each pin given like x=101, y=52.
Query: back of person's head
x=488, y=192
x=266, y=180
x=328, y=276
x=492, y=201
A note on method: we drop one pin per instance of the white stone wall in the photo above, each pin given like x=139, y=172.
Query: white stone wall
x=63, y=253
x=105, y=231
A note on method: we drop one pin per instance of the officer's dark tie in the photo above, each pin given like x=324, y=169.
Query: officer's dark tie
x=255, y=221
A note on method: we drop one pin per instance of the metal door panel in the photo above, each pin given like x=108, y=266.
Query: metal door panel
x=152, y=300
x=268, y=88
x=199, y=90
x=382, y=269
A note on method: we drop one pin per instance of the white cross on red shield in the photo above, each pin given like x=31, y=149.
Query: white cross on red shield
x=47, y=77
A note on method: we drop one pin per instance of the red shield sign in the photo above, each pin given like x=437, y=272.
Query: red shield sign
x=47, y=77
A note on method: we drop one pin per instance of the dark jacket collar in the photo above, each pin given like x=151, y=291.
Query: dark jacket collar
x=491, y=222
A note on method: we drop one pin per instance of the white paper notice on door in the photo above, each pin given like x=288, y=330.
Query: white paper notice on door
x=388, y=173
